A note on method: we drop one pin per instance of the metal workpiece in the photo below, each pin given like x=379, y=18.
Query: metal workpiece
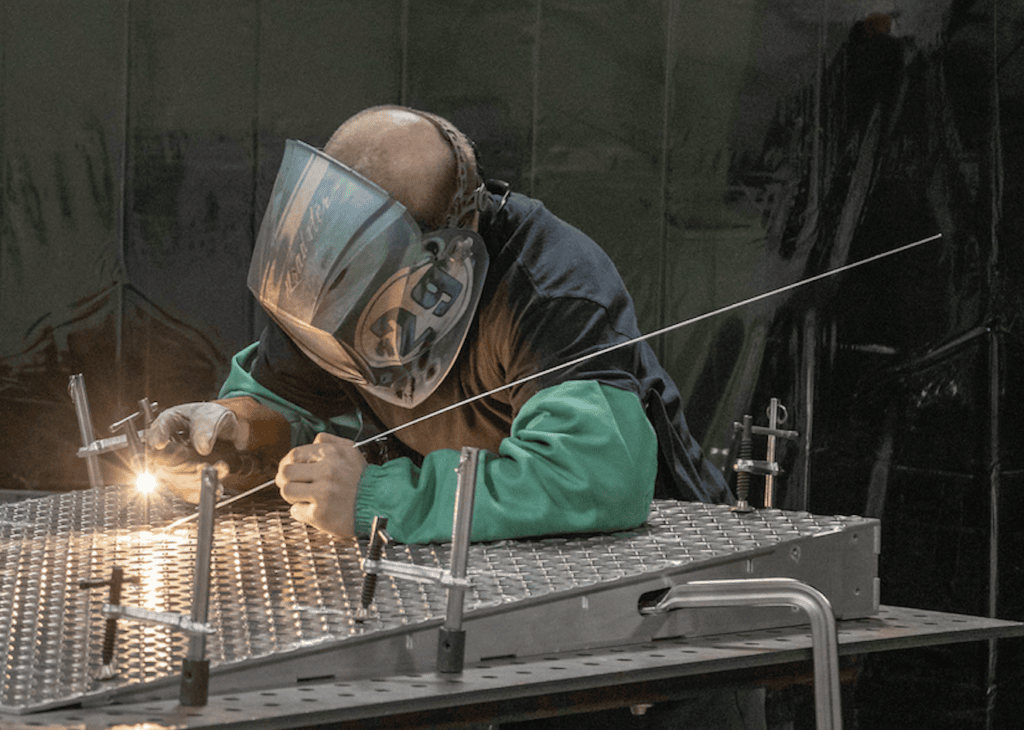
x=283, y=596
x=163, y=618
x=128, y=433
x=107, y=445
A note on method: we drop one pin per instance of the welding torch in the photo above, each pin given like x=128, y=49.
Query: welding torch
x=179, y=451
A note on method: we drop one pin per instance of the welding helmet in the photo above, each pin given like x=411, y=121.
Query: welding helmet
x=345, y=271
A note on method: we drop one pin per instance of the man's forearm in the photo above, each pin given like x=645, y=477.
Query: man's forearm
x=266, y=432
x=582, y=457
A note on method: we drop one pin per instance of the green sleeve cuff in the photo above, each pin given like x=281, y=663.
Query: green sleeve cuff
x=304, y=425
x=581, y=457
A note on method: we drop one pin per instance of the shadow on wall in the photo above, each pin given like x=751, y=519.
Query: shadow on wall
x=162, y=358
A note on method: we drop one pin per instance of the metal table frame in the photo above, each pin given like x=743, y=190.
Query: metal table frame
x=529, y=687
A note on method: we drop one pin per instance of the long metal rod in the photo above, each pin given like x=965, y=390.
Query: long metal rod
x=462, y=522
x=769, y=480
x=194, y=688
x=809, y=387
x=76, y=389
x=995, y=384
x=204, y=552
x=589, y=356
x=656, y=333
x=222, y=503
x=451, y=640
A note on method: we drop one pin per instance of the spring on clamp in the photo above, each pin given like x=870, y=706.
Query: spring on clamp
x=745, y=463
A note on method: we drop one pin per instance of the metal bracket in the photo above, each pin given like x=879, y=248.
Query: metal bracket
x=178, y=621
x=415, y=573
x=776, y=592
x=131, y=438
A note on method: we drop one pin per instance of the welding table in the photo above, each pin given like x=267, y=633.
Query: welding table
x=283, y=610
x=505, y=691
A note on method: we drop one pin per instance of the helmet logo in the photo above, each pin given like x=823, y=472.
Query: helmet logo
x=410, y=312
x=306, y=234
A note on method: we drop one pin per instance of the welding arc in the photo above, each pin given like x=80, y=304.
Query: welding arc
x=626, y=343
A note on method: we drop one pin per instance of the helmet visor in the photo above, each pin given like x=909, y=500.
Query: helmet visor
x=342, y=267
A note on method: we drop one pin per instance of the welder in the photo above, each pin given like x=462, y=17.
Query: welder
x=399, y=284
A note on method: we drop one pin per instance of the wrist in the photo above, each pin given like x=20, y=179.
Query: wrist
x=258, y=428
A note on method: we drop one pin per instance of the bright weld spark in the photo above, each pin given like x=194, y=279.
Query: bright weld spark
x=146, y=483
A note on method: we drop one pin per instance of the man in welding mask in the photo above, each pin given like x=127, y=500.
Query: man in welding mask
x=398, y=285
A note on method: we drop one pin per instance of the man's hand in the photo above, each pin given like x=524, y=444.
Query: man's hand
x=320, y=481
x=202, y=423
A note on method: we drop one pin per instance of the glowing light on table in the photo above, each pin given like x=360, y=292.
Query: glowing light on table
x=146, y=483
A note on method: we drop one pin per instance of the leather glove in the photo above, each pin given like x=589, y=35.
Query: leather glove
x=202, y=423
x=180, y=436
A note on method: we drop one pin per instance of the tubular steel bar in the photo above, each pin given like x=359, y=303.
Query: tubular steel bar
x=769, y=480
x=195, y=670
x=451, y=644
x=76, y=389
x=777, y=592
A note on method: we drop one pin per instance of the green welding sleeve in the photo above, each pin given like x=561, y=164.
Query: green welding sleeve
x=581, y=457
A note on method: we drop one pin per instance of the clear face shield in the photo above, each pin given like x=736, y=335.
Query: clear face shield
x=342, y=267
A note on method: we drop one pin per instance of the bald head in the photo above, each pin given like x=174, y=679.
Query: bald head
x=405, y=154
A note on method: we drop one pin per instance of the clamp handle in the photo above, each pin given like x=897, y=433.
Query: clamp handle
x=379, y=538
x=745, y=464
x=116, y=581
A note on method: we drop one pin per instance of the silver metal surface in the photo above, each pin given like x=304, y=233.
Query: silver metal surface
x=517, y=680
x=776, y=592
x=283, y=596
x=105, y=446
x=462, y=525
x=175, y=620
x=76, y=389
x=201, y=574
